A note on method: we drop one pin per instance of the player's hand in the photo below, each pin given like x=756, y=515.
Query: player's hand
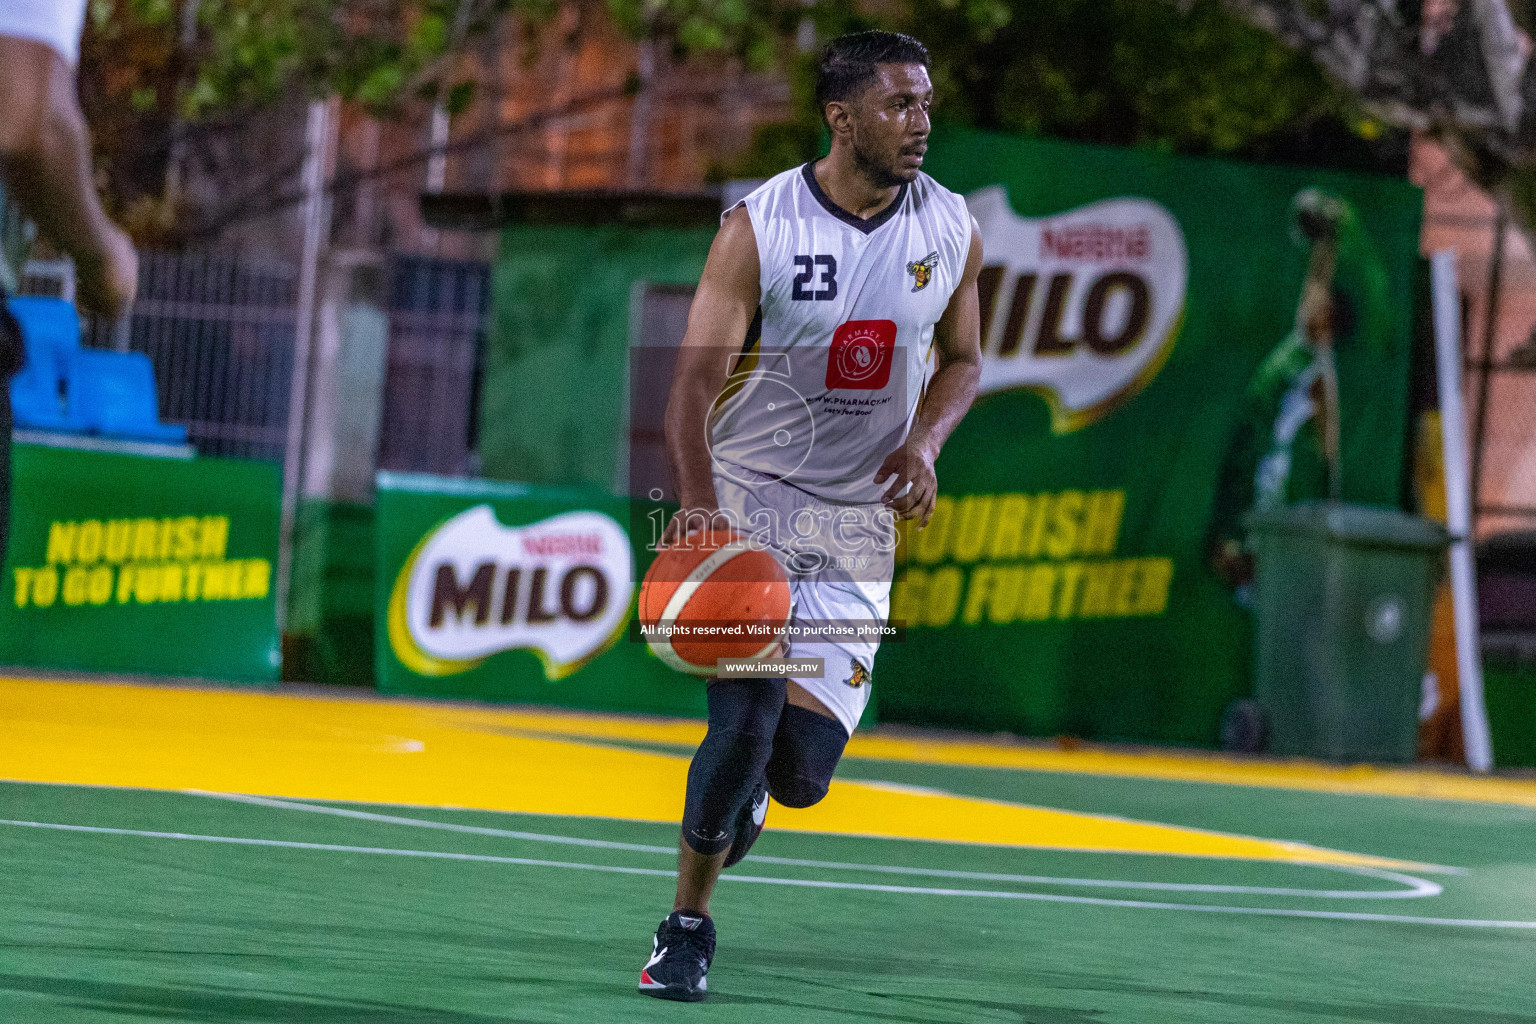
x=107, y=280
x=910, y=487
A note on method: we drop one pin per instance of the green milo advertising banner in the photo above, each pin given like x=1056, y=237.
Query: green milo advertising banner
x=506, y=591
x=134, y=564
x=1160, y=335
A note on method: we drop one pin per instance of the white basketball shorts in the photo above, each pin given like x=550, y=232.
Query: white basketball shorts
x=840, y=559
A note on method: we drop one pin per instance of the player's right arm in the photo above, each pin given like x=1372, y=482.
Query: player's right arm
x=723, y=308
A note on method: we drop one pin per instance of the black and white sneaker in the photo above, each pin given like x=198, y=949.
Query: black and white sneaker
x=749, y=824
x=681, y=953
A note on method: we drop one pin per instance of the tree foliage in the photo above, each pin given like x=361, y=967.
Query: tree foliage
x=1459, y=71
x=1125, y=72
x=1191, y=78
x=157, y=71
x=1194, y=79
x=245, y=54
x=242, y=54
x=154, y=71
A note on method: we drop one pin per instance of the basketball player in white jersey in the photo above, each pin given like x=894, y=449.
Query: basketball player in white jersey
x=848, y=278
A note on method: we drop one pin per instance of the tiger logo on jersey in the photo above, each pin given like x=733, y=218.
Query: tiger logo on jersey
x=859, y=677
x=922, y=270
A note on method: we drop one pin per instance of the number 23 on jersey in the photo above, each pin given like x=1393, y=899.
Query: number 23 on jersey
x=826, y=284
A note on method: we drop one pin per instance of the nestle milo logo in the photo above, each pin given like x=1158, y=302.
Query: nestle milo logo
x=1081, y=307
x=559, y=587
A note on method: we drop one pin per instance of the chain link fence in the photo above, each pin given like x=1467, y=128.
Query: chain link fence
x=437, y=322
x=1501, y=387
x=221, y=330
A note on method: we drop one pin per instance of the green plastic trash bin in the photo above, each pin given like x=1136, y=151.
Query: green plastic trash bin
x=1343, y=601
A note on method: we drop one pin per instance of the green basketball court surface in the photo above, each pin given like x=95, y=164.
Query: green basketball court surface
x=153, y=902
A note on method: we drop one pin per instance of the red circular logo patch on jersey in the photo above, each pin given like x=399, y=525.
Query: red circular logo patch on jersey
x=860, y=356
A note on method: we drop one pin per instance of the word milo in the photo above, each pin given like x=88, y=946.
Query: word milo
x=1082, y=307
x=96, y=562
x=560, y=587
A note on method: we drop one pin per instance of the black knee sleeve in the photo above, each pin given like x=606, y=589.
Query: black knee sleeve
x=743, y=714
x=806, y=749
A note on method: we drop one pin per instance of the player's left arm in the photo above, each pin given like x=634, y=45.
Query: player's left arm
x=957, y=350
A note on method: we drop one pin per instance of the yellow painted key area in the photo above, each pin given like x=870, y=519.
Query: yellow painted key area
x=549, y=762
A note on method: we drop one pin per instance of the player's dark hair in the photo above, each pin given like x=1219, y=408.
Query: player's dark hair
x=850, y=63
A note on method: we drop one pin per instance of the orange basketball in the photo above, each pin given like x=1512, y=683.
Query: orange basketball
x=711, y=596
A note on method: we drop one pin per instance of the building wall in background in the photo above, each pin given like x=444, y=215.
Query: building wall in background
x=555, y=108
x=1459, y=215
x=557, y=366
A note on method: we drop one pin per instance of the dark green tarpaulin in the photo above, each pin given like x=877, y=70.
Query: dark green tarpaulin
x=555, y=369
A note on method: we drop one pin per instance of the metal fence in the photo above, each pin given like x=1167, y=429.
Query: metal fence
x=655, y=336
x=1501, y=376
x=437, y=315
x=220, y=329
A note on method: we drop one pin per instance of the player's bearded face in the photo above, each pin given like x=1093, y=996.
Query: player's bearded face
x=889, y=131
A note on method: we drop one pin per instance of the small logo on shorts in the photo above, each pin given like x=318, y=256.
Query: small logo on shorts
x=859, y=677
x=922, y=270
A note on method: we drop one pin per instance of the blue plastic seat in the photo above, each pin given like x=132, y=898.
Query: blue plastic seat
x=50, y=330
x=113, y=394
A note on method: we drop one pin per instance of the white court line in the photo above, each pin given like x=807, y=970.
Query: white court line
x=390, y=819
x=336, y=848
x=1335, y=915
x=1416, y=887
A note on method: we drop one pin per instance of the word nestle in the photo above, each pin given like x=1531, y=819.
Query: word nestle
x=551, y=544
x=1097, y=243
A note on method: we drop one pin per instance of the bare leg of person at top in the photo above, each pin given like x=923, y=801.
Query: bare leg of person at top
x=46, y=171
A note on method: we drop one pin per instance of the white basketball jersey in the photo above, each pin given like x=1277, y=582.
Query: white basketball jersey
x=837, y=359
